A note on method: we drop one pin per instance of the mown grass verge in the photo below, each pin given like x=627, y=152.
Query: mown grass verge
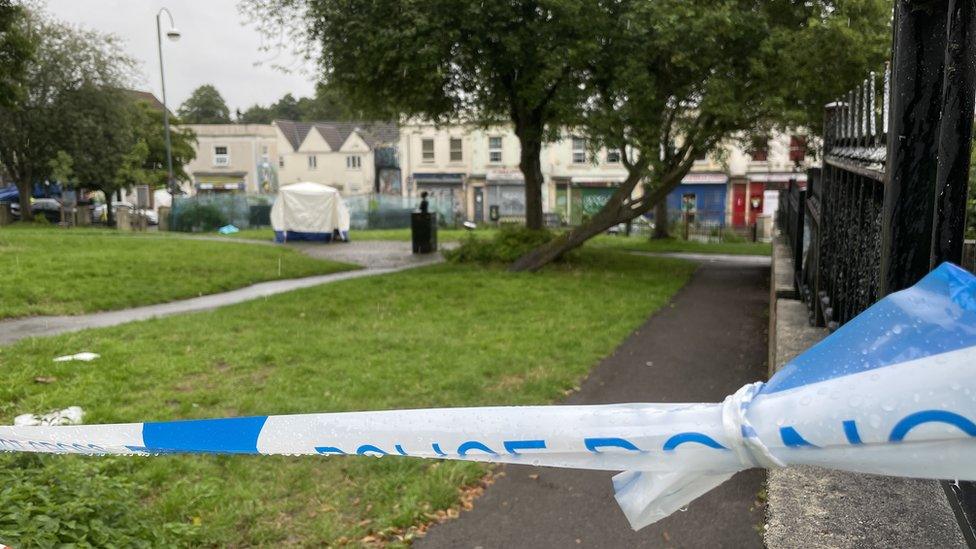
x=446, y=335
x=56, y=271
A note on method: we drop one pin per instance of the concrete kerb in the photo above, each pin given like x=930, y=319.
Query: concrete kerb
x=813, y=507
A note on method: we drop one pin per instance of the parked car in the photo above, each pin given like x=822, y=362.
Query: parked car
x=48, y=207
x=151, y=215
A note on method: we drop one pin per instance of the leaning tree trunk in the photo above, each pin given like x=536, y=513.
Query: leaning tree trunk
x=555, y=248
x=619, y=209
x=615, y=211
x=661, y=219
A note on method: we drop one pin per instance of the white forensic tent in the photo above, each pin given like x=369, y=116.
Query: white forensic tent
x=309, y=211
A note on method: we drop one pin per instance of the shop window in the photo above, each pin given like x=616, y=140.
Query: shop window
x=798, y=148
x=313, y=162
x=427, y=149
x=579, y=150
x=759, y=150
x=457, y=153
x=354, y=162
x=613, y=156
x=221, y=156
x=495, y=150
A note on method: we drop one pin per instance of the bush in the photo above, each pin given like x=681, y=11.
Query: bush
x=48, y=501
x=198, y=216
x=510, y=243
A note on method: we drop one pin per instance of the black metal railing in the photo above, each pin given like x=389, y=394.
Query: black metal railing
x=833, y=225
x=884, y=210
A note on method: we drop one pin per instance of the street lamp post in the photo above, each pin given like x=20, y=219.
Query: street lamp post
x=174, y=35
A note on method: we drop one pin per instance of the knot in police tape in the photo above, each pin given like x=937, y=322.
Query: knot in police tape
x=740, y=433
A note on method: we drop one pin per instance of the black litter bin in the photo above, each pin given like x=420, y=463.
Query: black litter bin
x=423, y=229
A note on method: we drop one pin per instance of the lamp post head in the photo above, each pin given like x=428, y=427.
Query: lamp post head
x=173, y=34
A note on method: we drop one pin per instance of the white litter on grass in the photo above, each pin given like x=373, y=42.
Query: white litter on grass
x=72, y=415
x=85, y=356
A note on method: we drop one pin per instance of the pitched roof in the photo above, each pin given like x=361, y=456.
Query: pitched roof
x=336, y=133
x=148, y=97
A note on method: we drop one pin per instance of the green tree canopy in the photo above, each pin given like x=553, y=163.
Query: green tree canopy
x=323, y=106
x=205, y=106
x=255, y=114
x=67, y=66
x=148, y=127
x=16, y=49
x=132, y=151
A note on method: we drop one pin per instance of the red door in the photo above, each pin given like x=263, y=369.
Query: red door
x=755, y=201
x=739, y=205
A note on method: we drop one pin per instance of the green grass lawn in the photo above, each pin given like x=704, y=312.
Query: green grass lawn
x=644, y=244
x=445, y=335
x=635, y=243
x=51, y=271
x=443, y=235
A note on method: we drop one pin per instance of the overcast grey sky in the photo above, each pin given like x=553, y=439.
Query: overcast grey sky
x=216, y=48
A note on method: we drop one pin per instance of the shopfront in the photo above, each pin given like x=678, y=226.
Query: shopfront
x=445, y=192
x=220, y=183
x=700, y=199
x=588, y=195
x=504, y=194
x=750, y=196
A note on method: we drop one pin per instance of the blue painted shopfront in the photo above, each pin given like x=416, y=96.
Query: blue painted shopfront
x=703, y=197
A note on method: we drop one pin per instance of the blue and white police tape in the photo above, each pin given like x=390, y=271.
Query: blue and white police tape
x=893, y=392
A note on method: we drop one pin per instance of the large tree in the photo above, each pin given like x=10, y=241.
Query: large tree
x=675, y=79
x=111, y=142
x=33, y=126
x=100, y=148
x=205, y=106
x=507, y=61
